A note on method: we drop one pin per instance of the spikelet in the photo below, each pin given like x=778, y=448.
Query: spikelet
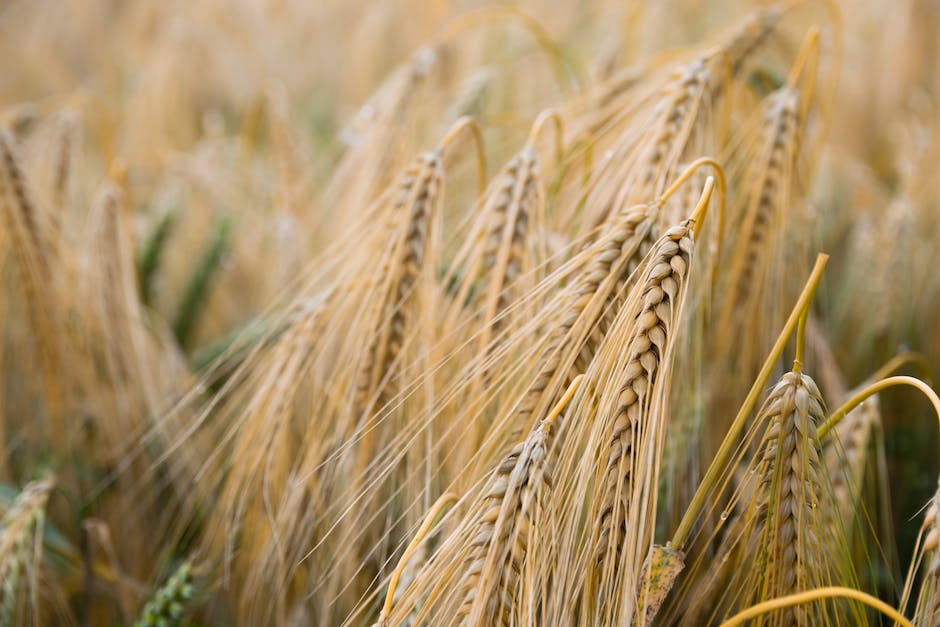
x=395, y=321
x=32, y=250
x=769, y=183
x=789, y=541
x=491, y=584
x=504, y=257
x=418, y=192
x=478, y=567
x=21, y=531
x=119, y=340
x=790, y=490
x=588, y=307
x=495, y=257
x=673, y=126
x=167, y=606
x=494, y=264
x=646, y=158
x=928, y=602
x=636, y=425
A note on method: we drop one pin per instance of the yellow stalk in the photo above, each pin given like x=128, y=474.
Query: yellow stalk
x=871, y=390
x=815, y=595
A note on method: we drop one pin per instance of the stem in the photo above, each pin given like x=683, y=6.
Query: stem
x=722, y=195
x=701, y=209
x=468, y=123
x=713, y=474
x=901, y=359
x=872, y=389
x=445, y=499
x=800, y=342
x=560, y=406
x=815, y=595
x=197, y=290
x=549, y=115
x=689, y=171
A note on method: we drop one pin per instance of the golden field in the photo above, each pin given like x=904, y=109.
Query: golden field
x=452, y=313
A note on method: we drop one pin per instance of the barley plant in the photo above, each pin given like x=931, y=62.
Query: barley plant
x=401, y=313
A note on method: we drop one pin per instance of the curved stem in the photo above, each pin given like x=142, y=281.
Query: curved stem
x=468, y=123
x=901, y=359
x=872, y=389
x=560, y=405
x=549, y=115
x=689, y=171
x=701, y=209
x=815, y=595
x=713, y=474
x=445, y=499
x=722, y=195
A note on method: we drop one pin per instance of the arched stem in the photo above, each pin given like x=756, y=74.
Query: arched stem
x=872, y=389
x=701, y=209
x=561, y=404
x=448, y=498
x=469, y=124
x=549, y=115
x=901, y=359
x=722, y=196
x=689, y=171
x=816, y=595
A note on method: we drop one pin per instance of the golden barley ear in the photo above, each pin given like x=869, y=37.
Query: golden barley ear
x=788, y=521
x=34, y=251
x=21, y=554
x=635, y=428
x=475, y=576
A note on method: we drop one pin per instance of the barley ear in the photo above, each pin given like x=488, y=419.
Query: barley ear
x=167, y=606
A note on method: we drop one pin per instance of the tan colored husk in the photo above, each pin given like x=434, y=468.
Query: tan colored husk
x=660, y=571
